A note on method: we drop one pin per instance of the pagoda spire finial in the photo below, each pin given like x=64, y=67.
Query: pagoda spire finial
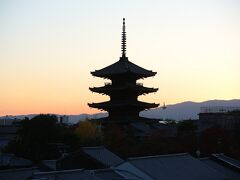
x=123, y=39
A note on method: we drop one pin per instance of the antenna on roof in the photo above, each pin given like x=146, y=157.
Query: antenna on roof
x=123, y=39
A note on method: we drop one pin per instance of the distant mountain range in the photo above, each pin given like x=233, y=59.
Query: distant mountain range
x=180, y=111
x=187, y=110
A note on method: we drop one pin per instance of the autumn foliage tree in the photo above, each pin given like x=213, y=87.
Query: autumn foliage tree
x=89, y=133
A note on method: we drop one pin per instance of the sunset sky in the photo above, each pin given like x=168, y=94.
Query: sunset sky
x=49, y=47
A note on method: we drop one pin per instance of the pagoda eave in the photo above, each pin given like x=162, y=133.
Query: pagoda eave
x=128, y=73
x=110, y=105
x=108, y=90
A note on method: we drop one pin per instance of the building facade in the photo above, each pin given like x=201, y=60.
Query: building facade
x=224, y=117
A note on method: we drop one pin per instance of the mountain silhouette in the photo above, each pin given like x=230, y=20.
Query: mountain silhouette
x=180, y=111
x=186, y=110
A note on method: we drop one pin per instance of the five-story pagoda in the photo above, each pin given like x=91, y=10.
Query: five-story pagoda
x=123, y=90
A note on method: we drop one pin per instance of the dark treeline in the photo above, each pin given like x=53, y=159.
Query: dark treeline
x=43, y=138
x=213, y=140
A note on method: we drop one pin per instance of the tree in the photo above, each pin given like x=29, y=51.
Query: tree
x=89, y=133
x=42, y=138
x=214, y=140
x=187, y=127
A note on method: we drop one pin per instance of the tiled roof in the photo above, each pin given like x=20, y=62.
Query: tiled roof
x=230, y=161
x=123, y=66
x=107, y=174
x=230, y=173
x=176, y=167
x=103, y=155
x=80, y=174
x=17, y=174
x=4, y=142
x=5, y=159
x=140, y=89
x=141, y=126
x=112, y=104
x=8, y=129
x=129, y=171
x=12, y=160
x=76, y=174
x=50, y=164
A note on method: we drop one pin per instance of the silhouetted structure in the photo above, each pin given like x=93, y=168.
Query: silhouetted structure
x=225, y=117
x=123, y=90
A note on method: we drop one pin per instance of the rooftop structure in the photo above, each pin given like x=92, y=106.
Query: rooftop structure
x=65, y=175
x=18, y=174
x=103, y=155
x=225, y=117
x=219, y=109
x=170, y=166
x=123, y=90
x=227, y=160
x=48, y=165
x=11, y=161
x=109, y=174
x=175, y=166
x=89, y=158
x=7, y=133
x=231, y=173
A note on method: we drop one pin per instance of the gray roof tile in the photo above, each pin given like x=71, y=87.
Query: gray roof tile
x=176, y=167
x=233, y=162
x=231, y=174
x=12, y=160
x=107, y=174
x=76, y=174
x=103, y=155
x=17, y=174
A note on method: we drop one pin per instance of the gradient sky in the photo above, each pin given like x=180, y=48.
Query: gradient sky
x=49, y=47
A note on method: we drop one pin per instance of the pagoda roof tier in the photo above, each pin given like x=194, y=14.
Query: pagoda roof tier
x=123, y=66
x=120, y=120
x=123, y=104
x=138, y=88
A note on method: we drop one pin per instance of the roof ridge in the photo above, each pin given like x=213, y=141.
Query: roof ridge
x=93, y=147
x=154, y=156
x=60, y=171
x=18, y=169
x=49, y=160
x=100, y=170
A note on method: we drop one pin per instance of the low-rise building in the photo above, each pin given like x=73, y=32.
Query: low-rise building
x=8, y=161
x=7, y=133
x=171, y=166
x=224, y=117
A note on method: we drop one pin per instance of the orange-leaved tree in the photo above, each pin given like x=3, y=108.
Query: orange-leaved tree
x=89, y=133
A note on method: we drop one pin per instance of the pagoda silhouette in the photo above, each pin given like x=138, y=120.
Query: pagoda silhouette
x=123, y=106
